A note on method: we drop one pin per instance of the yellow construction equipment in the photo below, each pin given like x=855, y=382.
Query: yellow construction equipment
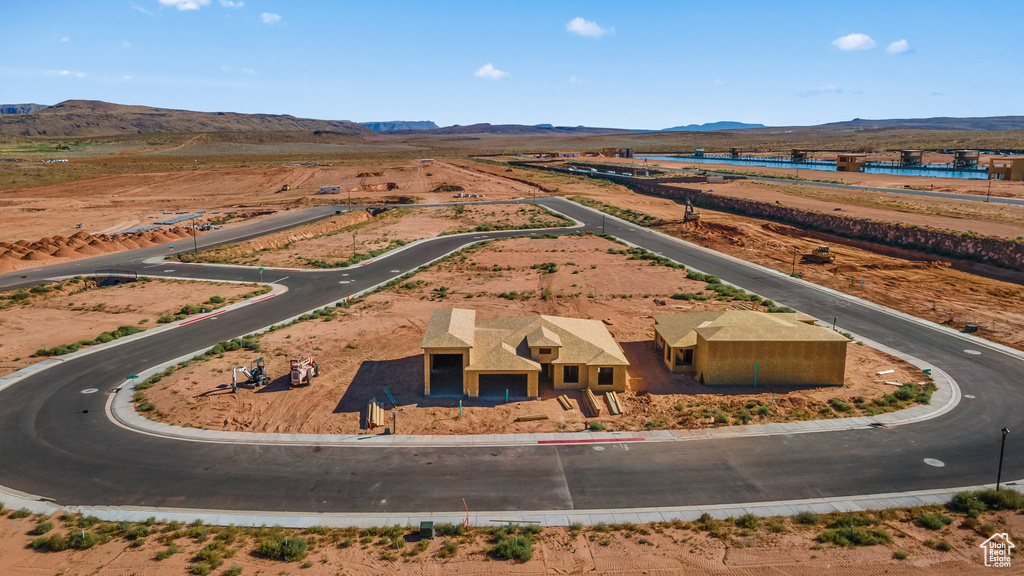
x=303, y=371
x=823, y=255
x=286, y=187
x=690, y=215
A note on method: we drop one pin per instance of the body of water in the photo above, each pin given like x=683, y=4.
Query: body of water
x=828, y=166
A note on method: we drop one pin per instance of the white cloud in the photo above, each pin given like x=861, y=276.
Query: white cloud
x=66, y=73
x=575, y=80
x=226, y=68
x=230, y=4
x=720, y=82
x=66, y=39
x=489, y=71
x=185, y=4
x=126, y=44
x=898, y=47
x=586, y=28
x=855, y=41
x=138, y=8
x=829, y=89
x=269, y=18
x=248, y=71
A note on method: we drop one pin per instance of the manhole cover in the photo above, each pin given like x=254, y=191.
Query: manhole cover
x=90, y=391
x=934, y=462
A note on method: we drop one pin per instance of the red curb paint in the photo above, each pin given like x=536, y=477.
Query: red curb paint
x=262, y=299
x=202, y=318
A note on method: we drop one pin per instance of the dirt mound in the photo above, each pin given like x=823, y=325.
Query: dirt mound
x=35, y=255
x=101, y=246
x=6, y=266
x=369, y=174
x=88, y=250
x=65, y=252
x=128, y=242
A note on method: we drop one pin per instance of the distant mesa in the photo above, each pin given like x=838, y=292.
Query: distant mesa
x=21, y=108
x=713, y=127
x=986, y=123
x=399, y=125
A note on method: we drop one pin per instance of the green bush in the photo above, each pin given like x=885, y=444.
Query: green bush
x=23, y=513
x=42, y=528
x=749, y=521
x=807, y=517
x=596, y=426
x=57, y=543
x=40, y=542
x=901, y=554
x=518, y=548
x=934, y=521
x=851, y=536
x=235, y=570
x=82, y=540
x=171, y=550
x=283, y=549
x=449, y=549
x=216, y=300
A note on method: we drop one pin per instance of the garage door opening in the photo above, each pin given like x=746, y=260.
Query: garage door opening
x=494, y=385
x=446, y=374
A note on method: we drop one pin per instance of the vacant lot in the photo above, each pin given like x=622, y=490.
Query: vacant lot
x=345, y=238
x=927, y=540
x=65, y=312
x=374, y=346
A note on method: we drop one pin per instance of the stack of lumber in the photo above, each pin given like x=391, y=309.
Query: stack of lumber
x=592, y=403
x=564, y=401
x=374, y=415
x=613, y=403
x=532, y=417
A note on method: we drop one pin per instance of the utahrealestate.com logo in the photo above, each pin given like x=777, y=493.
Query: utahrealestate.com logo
x=997, y=550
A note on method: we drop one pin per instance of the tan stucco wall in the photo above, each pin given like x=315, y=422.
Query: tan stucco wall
x=426, y=364
x=544, y=358
x=731, y=363
x=471, y=382
x=618, y=379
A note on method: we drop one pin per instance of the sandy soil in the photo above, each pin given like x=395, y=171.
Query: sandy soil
x=81, y=311
x=110, y=204
x=23, y=254
x=375, y=345
x=340, y=237
x=777, y=546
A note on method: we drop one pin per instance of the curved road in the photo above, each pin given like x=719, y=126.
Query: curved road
x=58, y=443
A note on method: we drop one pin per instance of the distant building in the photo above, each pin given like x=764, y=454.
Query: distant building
x=735, y=152
x=965, y=158
x=617, y=152
x=735, y=347
x=485, y=358
x=911, y=157
x=330, y=190
x=798, y=155
x=1010, y=169
x=850, y=162
x=698, y=152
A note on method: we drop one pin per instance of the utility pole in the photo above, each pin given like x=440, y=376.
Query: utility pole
x=195, y=244
x=1002, y=448
x=794, y=262
x=988, y=195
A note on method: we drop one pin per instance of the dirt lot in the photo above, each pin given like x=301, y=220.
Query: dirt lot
x=22, y=254
x=375, y=345
x=771, y=546
x=78, y=310
x=342, y=237
x=110, y=204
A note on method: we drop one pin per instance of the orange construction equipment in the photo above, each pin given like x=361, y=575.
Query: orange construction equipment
x=303, y=371
x=823, y=255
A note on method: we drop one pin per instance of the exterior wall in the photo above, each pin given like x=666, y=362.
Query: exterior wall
x=426, y=364
x=849, y=163
x=731, y=363
x=1006, y=169
x=677, y=353
x=471, y=382
x=544, y=358
x=561, y=384
x=618, y=379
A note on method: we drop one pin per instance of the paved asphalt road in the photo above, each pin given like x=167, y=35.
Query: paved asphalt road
x=58, y=443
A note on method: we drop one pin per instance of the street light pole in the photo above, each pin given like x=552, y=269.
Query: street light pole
x=794, y=262
x=988, y=195
x=195, y=244
x=1002, y=448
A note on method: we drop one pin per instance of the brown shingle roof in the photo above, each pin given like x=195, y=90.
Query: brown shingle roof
x=680, y=330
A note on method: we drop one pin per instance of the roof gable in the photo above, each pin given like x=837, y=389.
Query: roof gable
x=450, y=328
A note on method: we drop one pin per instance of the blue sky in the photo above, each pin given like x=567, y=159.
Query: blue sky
x=628, y=65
